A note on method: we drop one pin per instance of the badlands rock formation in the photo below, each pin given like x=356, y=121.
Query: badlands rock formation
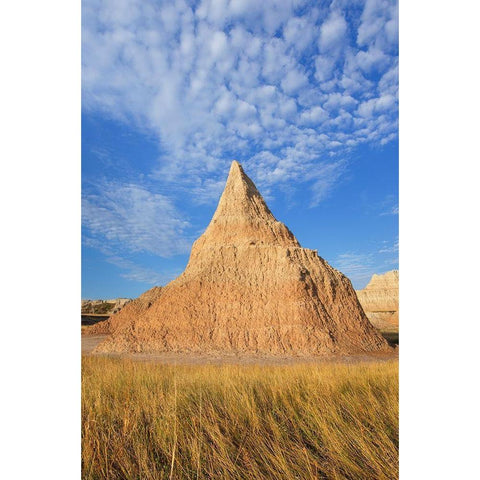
x=249, y=287
x=103, y=307
x=379, y=300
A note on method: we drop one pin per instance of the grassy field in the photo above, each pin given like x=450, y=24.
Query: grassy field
x=148, y=421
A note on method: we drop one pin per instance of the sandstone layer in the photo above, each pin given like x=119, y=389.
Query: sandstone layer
x=379, y=300
x=249, y=287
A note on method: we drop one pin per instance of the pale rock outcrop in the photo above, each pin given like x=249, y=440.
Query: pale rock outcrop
x=249, y=287
x=379, y=300
x=103, y=307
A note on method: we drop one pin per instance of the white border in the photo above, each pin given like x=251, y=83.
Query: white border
x=40, y=240
x=439, y=239
x=40, y=254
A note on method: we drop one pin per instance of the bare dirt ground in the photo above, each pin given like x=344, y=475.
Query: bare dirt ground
x=89, y=342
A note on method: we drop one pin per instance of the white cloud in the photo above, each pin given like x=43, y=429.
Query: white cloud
x=332, y=32
x=299, y=32
x=371, y=59
x=214, y=11
x=138, y=273
x=379, y=24
x=358, y=267
x=134, y=219
x=245, y=111
x=218, y=45
x=337, y=100
x=293, y=81
x=225, y=105
x=391, y=211
x=242, y=7
x=325, y=179
x=387, y=248
x=324, y=68
x=314, y=116
x=388, y=84
x=376, y=105
x=131, y=269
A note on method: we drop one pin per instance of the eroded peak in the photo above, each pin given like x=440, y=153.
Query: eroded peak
x=238, y=181
x=243, y=217
x=241, y=197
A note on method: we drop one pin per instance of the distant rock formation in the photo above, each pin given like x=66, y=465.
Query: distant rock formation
x=249, y=287
x=103, y=307
x=379, y=300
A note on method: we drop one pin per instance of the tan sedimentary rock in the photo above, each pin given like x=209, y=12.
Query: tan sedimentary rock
x=120, y=303
x=132, y=309
x=249, y=287
x=379, y=300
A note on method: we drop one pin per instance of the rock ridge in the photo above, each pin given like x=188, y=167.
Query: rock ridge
x=379, y=300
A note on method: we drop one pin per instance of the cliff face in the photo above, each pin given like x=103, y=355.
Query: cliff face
x=379, y=300
x=248, y=287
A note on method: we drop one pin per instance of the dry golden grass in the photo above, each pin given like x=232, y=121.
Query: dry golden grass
x=150, y=421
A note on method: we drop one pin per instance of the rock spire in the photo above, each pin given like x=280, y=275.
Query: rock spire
x=249, y=287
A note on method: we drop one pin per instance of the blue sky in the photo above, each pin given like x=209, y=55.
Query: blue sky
x=303, y=94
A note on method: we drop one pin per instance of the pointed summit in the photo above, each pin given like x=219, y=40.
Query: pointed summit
x=248, y=287
x=241, y=197
x=243, y=218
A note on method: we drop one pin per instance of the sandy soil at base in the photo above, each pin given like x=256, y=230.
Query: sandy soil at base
x=89, y=342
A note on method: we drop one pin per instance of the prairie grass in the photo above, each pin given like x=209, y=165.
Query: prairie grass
x=323, y=421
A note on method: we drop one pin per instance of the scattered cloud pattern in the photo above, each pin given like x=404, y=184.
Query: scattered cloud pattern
x=285, y=86
x=130, y=217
